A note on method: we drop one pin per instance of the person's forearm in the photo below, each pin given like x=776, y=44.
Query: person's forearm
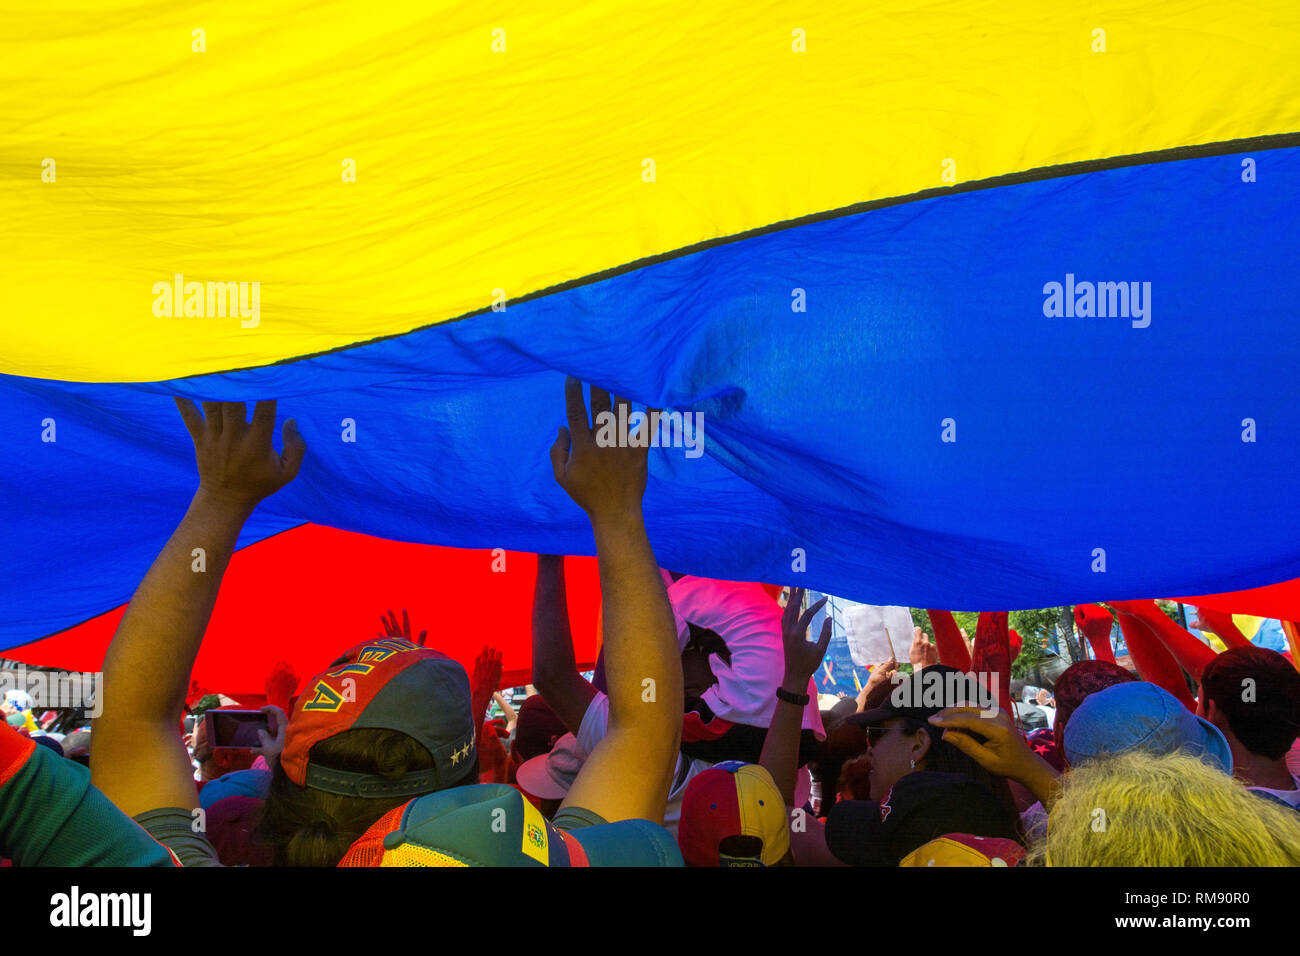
x=640, y=641
x=1191, y=653
x=1099, y=640
x=555, y=671
x=992, y=654
x=1044, y=783
x=1152, y=659
x=1222, y=624
x=147, y=666
x=780, y=756
x=507, y=711
x=552, y=636
x=947, y=637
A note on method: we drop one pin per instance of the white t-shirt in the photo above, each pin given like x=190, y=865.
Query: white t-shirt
x=594, y=724
x=749, y=621
x=1291, y=797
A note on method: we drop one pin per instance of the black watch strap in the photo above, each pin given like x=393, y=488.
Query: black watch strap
x=800, y=699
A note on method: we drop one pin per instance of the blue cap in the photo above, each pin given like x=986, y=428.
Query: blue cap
x=237, y=783
x=1144, y=717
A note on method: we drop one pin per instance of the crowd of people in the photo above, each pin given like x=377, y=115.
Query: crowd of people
x=698, y=739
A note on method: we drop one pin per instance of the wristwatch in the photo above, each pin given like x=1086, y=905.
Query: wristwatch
x=800, y=699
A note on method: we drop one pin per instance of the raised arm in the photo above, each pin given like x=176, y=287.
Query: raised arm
x=1095, y=623
x=1221, y=624
x=1154, y=663
x=780, y=756
x=952, y=646
x=1191, y=653
x=628, y=774
x=138, y=760
x=1004, y=751
x=511, y=717
x=555, y=670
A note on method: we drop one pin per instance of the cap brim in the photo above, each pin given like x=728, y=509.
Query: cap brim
x=1216, y=745
x=871, y=717
x=533, y=778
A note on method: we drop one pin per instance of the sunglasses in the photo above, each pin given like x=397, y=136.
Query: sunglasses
x=908, y=725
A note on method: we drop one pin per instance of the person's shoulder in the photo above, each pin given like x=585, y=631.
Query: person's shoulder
x=175, y=828
x=1287, y=798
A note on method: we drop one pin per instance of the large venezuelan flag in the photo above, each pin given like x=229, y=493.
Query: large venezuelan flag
x=831, y=230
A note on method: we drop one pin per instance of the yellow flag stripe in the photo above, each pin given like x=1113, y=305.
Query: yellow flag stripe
x=377, y=169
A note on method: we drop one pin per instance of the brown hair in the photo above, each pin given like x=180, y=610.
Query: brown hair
x=307, y=827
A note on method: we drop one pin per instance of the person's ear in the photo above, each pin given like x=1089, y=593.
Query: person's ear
x=921, y=742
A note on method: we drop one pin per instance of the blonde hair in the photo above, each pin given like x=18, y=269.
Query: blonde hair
x=1138, y=809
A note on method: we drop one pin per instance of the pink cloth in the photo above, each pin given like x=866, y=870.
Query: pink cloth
x=749, y=622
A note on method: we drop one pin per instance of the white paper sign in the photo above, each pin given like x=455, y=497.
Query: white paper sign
x=864, y=626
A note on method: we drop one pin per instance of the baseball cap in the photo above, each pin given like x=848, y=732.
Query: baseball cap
x=495, y=825
x=238, y=783
x=733, y=800
x=1141, y=716
x=389, y=684
x=549, y=776
x=966, y=849
x=536, y=729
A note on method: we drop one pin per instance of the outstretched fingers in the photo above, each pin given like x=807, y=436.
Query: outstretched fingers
x=576, y=410
x=809, y=614
x=192, y=417
x=295, y=448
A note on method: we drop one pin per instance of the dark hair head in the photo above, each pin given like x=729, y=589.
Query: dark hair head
x=943, y=757
x=1077, y=682
x=307, y=827
x=840, y=746
x=1258, y=691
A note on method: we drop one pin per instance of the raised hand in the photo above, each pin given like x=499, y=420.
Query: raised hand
x=485, y=680
x=1004, y=751
x=1093, y=621
x=802, y=657
x=922, y=653
x=392, y=629
x=602, y=469
x=238, y=463
x=880, y=674
x=272, y=739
